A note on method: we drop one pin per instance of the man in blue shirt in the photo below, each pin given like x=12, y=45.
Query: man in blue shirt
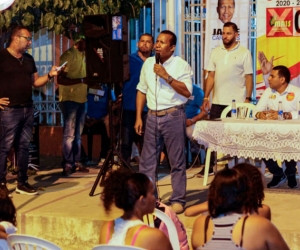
x=136, y=60
x=194, y=114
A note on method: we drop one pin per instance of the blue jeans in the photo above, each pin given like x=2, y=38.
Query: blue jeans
x=74, y=116
x=171, y=130
x=16, y=124
x=129, y=135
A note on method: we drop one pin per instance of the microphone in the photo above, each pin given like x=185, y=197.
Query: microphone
x=157, y=57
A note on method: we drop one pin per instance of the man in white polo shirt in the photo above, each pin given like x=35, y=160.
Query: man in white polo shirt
x=267, y=109
x=166, y=84
x=229, y=73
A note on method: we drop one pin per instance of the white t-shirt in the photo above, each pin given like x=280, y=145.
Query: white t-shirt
x=9, y=229
x=230, y=68
x=160, y=95
x=289, y=98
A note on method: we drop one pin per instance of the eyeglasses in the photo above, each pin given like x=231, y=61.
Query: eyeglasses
x=28, y=38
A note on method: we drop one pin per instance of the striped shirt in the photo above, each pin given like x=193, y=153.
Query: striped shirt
x=222, y=235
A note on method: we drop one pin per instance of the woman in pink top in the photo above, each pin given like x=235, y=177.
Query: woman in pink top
x=134, y=193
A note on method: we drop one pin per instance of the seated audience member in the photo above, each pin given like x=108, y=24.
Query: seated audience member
x=194, y=114
x=267, y=109
x=94, y=124
x=228, y=226
x=7, y=218
x=254, y=198
x=183, y=241
x=134, y=193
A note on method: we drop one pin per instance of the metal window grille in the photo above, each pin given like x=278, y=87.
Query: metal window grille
x=190, y=32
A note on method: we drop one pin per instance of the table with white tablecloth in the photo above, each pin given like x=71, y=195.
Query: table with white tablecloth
x=279, y=140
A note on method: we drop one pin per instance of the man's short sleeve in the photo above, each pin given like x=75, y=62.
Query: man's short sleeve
x=248, y=69
x=142, y=85
x=211, y=64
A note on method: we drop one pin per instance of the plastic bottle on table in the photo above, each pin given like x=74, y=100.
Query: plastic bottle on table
x=233, y=109
x=280, y=111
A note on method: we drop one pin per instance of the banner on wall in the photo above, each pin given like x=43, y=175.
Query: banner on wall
x=278, y=39
x=219, y=12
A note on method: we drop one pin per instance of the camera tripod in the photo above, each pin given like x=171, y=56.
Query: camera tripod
x=110, y=158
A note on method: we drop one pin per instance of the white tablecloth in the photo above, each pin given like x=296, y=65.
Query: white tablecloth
x=251, y=138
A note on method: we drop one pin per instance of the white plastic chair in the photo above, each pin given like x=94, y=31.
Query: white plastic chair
x=173, y=235
x=115, y=247
x=224, y=114
x=26, y=242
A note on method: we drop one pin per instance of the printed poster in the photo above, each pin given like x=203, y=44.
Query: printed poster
x=219, y=12
x=278, y=38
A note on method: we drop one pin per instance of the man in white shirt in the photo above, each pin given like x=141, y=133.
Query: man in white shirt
x=166, y=85
x=229, y=75
x=267, y=109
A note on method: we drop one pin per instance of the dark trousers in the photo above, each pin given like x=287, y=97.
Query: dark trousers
x=129, y=135
x=277, y=171
x=215, y=112
x=96, y=128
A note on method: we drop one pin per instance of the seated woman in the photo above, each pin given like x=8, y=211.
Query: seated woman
x=229, y=226
x=255, y=195
x=134, y=193
x=7, y=218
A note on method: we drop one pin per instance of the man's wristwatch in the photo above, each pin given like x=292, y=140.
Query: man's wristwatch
x=248, y=98
x=169, y=79
x=49, y=77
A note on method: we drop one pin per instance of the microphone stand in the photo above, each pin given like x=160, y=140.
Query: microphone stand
x=110, y=158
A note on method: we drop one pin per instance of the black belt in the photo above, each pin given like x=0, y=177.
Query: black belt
x=21, y=106
x=163, y=112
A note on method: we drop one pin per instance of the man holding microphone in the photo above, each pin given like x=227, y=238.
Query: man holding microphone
x=166, y=84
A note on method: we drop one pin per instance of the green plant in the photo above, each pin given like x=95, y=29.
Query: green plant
x=63, y=16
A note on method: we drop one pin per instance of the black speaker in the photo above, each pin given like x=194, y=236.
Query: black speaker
x=107, y=59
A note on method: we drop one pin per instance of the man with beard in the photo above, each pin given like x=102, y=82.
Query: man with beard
x=229, y=74
x=18, y=75
x=136, y=61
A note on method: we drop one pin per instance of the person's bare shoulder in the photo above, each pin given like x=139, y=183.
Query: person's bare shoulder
x=103, y=233
x=260, y=232
x=265, y=211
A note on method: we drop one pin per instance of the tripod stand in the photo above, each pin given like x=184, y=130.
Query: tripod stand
x=109, y=160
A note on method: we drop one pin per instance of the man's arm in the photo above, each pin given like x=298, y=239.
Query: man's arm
x=193, y=120
x=140, y=104
x=261, y=110
x=210, y=81
x=178, y=86
x=249, y=86
x=39, y=81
